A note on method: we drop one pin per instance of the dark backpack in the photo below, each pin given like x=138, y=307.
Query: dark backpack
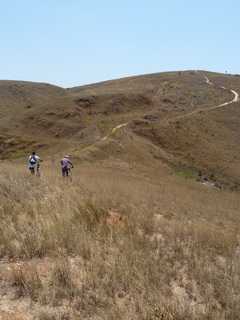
x=33, y=160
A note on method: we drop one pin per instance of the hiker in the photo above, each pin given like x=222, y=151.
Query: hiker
x=34, y=164
x=66, y=165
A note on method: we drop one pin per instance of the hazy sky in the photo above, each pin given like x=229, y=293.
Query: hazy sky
x=73, y=42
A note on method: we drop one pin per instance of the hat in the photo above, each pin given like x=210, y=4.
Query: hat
x=67, y=156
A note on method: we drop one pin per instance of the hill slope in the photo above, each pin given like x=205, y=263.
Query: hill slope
x=167, y=94
x=34, y=114
x=162, y=109
x=159, y=110
x=129, y=236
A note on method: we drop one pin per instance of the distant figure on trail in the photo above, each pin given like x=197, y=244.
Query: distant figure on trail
x=34, y=164
x=66, y=165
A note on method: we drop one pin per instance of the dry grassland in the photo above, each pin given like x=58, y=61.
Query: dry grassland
x=110, y=245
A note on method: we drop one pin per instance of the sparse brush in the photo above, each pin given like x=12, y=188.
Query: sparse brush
x=26, y=280
x=54, y=315
x=46, y=315
x=140, y=252
x=61, y=282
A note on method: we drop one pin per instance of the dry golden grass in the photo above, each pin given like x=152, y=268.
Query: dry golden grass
x=126, y=238
x=175, y=254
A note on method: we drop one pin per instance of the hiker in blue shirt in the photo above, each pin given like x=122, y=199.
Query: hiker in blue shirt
x=34, y=164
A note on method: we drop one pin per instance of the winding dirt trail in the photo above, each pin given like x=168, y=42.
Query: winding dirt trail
x=114, y=130
x=235, y=99
x=201, y=110
x=235, y=94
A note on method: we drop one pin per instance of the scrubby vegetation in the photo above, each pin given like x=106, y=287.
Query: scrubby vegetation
x=120, y=248
x=135, y=234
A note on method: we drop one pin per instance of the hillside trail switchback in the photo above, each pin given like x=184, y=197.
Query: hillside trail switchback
x=235, y=99
x=115, y=129
x=220, y=106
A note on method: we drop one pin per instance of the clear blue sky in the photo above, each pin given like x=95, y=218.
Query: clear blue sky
x=73, y=42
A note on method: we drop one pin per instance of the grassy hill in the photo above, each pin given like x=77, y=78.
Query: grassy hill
x=34, y=115
x=136, y=233
x=164, y=94
x=42, y=116
x=159, y=110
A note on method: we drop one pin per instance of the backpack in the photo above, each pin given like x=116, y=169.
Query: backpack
x=33, y=160
x=64, y=163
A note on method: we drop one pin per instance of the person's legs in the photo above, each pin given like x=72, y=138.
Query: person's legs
x=38, y=170
x=64, y=172
x=32, y=170
x=69, y=174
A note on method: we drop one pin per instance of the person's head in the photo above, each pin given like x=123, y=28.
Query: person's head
x=66, y=156
x=33, y=153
